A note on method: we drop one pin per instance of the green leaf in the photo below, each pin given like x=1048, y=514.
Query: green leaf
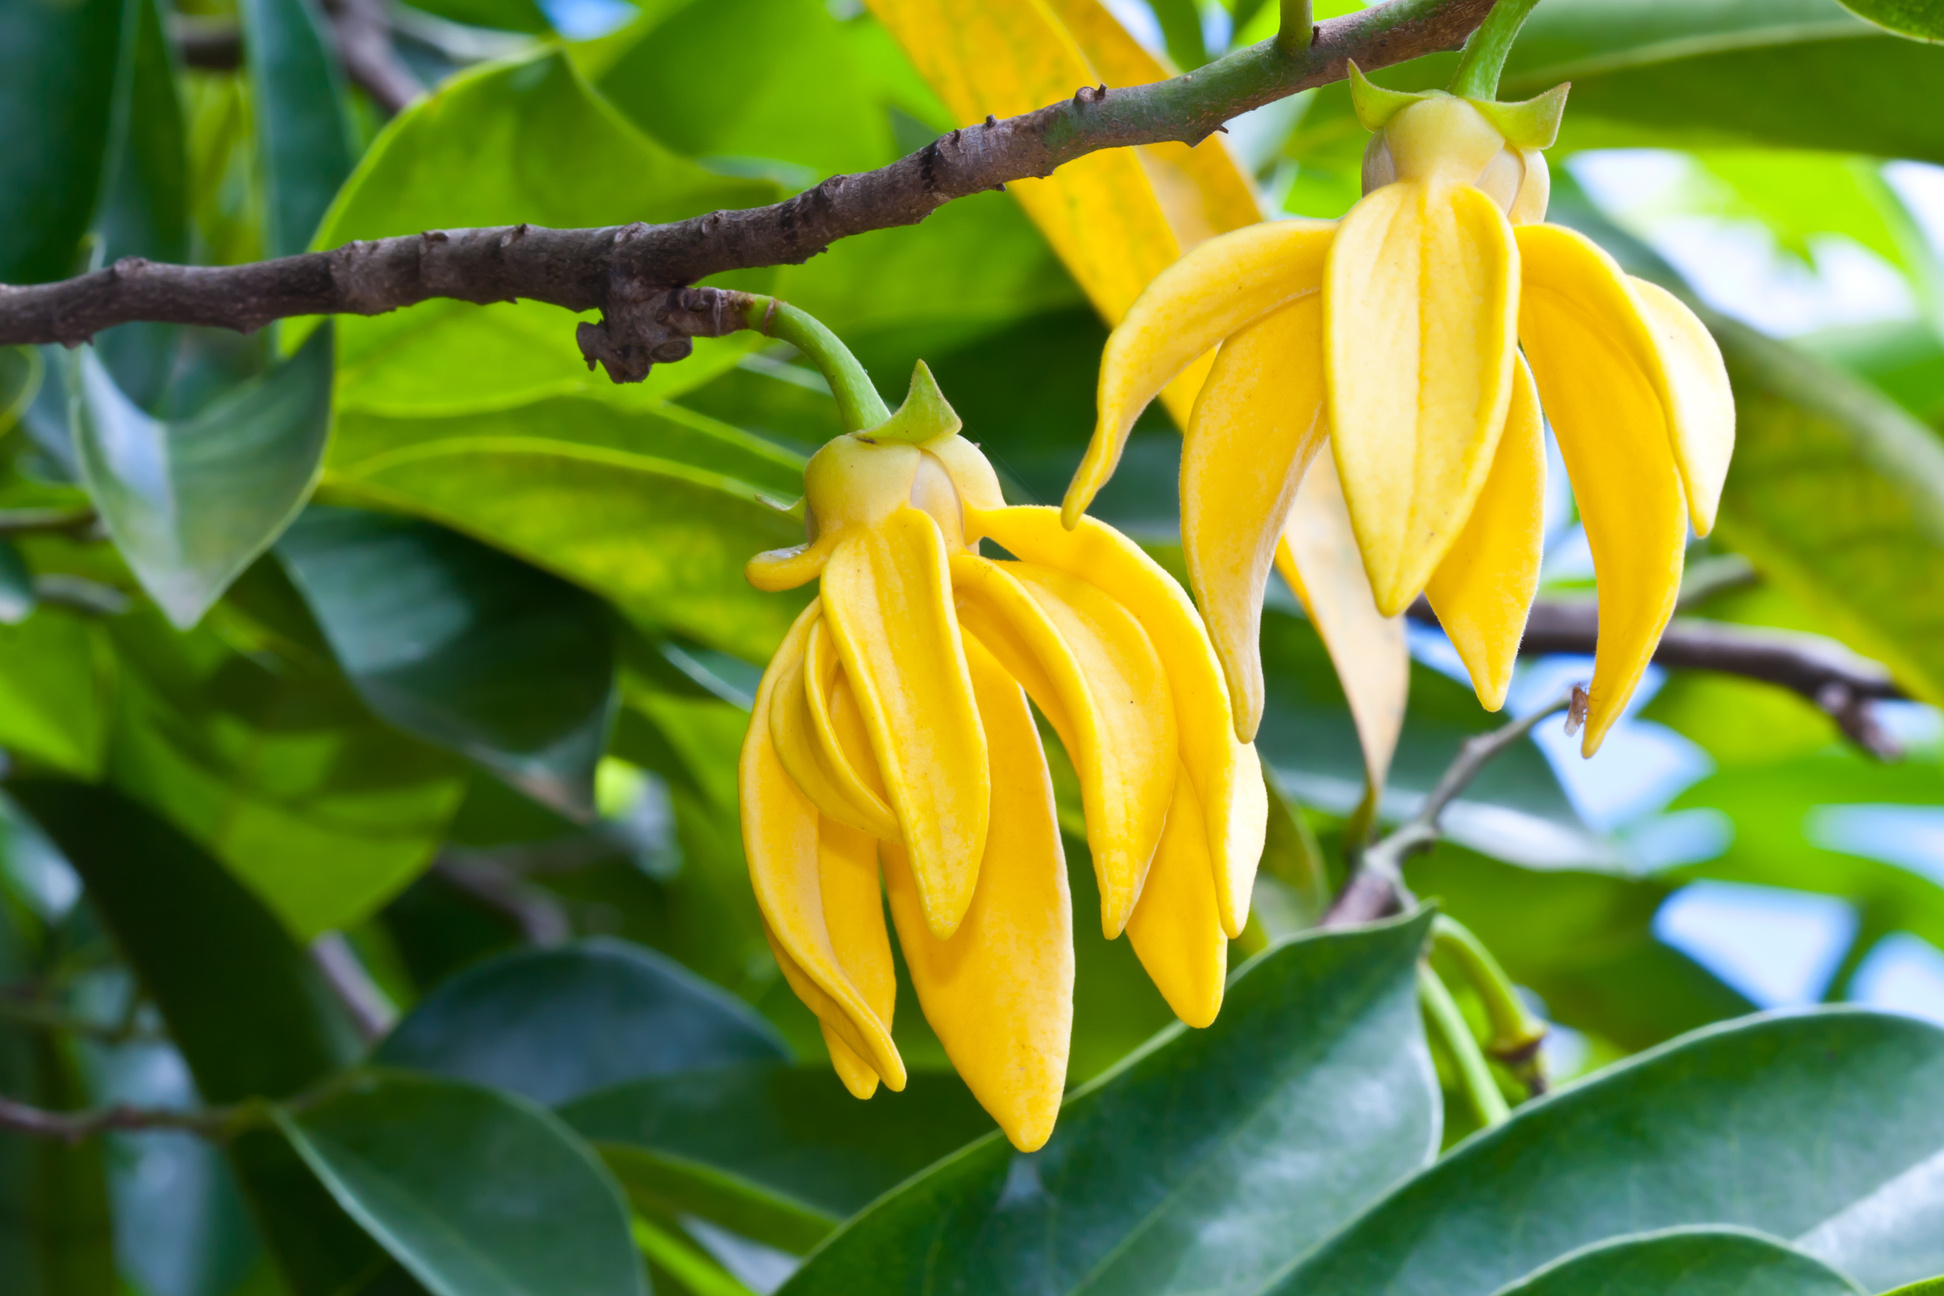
x=57, y=77
x=1919, y=19
x=1929, y=1287
x=191, y=503
x=476, y=1193
x=778, y=1154
x=456, y=643
x=243, y=1002
x=498, y=15
x=1781, y=73
x=525, y=141
x=17, y=597
x=1837, y=496
x=272, y=763
x=555, y=1024
x=1181, y=29
x=56, y=1237
x=1693, y=1261
x=1817, y=1127
x=303, y=133
x=1310, y=1094
x=657, y=512
x=56, y=679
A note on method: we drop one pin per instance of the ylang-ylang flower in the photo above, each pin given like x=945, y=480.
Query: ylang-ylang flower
x=1395, y=335
x=892, y=744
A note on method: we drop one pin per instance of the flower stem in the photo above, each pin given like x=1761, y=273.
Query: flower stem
x=1298, y=26
x=1515, y=1032
x=858, y=402
x=1452, y=1031
x=1478, y=71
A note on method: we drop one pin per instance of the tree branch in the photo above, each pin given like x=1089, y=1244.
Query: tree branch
x=364, y=42
x=72, y=1127
x=1831, y=677
x=630, y=272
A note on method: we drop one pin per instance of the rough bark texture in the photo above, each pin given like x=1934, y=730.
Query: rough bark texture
x=627, y=271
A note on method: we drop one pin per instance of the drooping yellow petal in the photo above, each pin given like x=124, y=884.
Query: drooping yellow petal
x=1225, y=771
x=1701, y=405
x=1175, y=929
x=853, y=782
x=1420, y=311
x=999, y=993
x=781, y=837
x=1106, y=694
x=887, y=597
x=1222, y=286
x=1258, y=423
x=793, y=730
x=847, y=865
x=853, y=1070
x=1485, y=586
x=1596, y=366
x=1319, y=559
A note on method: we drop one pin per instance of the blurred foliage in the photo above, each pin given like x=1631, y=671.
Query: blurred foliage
x=408, y=647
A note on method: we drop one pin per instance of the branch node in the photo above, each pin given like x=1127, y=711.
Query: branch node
x=643, y=325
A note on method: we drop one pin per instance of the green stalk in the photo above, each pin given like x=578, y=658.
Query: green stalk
x=858, y=402
x=1515, y=1033
x=1478, y=71
x=1452, y=1031
x=1298, y=27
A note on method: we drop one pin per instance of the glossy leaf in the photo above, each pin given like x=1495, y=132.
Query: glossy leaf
x=56, y=679
x=656, y=513
x=272, y=763
x=1814, y=1127
x=57, y=76
x=1920, y=19
x=303, y=135
x=476, y=1193
x=555, y=1024
x=1152, y=1170
x=243, y=1002
x=1695, y=1262
x=779, y=1154
x=191, y=502
x=460, y=645
x=510, y=142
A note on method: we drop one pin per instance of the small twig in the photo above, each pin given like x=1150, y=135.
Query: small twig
x=46, y=521
x=364, y=41
x=371, y=1009
x=538, y=915
x=40, y=1015
x=79, y=594
x=72, y=1127
x=1377, y=888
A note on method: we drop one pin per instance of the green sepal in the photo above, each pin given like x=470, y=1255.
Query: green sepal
x=924, y=416
x=1530, y=123
x=1376, y=105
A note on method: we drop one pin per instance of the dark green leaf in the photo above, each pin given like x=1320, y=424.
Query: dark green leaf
x=303, y=134
x=1694, y=1262
x=500, y=15
x=57, y=77
x=17, y=597
x=242, y=1001
x=775, y=1153
x=555, y=1024
x=1310, y=1094
x=1819, y=1128
x=462, y=646
x=191, y=503
x=55, y=1235
x=1921, y=19
x=476, y=1193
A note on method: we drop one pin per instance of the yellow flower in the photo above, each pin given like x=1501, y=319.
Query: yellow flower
x=1395, y=335
x=891, y=735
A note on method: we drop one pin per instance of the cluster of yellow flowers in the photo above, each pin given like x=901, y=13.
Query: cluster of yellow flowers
x=892, y=750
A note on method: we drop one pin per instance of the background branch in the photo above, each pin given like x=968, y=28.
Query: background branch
x=72, y=1127
x=362, y=32
x=629, y=272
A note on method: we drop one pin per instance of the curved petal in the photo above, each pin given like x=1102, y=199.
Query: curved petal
x=1319, y=559
x=1420, y=313
x=1701, y=405
x=999, y=993
x=1258, y=423
x=1225, y=770
x=1109, y=700
x=1596, y=367
x=781, y=838
x=853, y=905
x=853, y=1070
x=776, y=570
x=1484, y=588
x=793, y=730
x=841, y=744
x=1225, y=284
x=887, y=598
x=1175, y=929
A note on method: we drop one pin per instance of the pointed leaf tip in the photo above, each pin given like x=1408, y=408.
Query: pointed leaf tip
x=1375, y=105
x=1531, y=123
x=925, y=415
